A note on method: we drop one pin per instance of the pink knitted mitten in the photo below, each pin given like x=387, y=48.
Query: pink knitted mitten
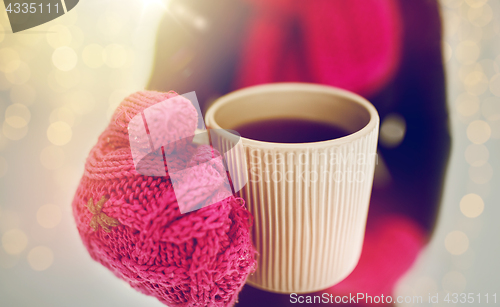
x=132, y=225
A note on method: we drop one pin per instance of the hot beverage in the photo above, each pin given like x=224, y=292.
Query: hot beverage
x=290, y=130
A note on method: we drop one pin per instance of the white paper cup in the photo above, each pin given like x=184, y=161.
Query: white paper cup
x=309, y=200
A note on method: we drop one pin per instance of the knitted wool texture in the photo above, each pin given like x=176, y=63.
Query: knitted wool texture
x=201, y=258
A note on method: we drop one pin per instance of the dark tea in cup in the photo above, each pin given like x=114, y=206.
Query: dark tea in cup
x=290, y=130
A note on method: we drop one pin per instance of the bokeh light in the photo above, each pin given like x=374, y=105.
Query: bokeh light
x=475, y=3
x=466, y=69
x=16, y=122
x=14, y=241
x=392, y=130
x=49, y=216
x=471, y=205
x=13, y=133
x=40, y=258
x=456, y=242
x=52, y=157
x=488, y=67
x=478, y=132
x=476, y=83
x=480, y=16
x=59, y=133
x=70, y=93
x=17, y=115
x=64, y=58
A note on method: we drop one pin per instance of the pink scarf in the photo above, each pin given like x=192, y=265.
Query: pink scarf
x=355, y=44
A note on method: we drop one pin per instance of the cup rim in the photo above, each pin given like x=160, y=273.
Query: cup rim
x=286, y=86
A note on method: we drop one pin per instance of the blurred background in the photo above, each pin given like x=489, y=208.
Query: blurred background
x=61, y=81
